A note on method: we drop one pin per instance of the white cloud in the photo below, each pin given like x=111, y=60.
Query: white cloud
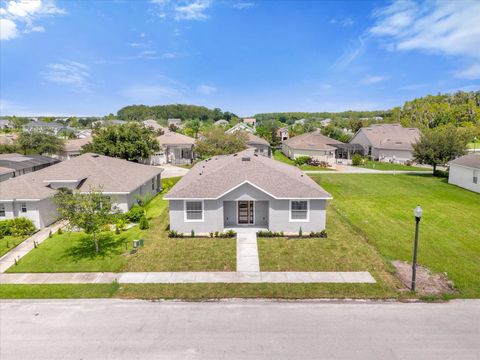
x=8, y=29
x=348, y=21
x=243, y=5
x=373, y=79
x=25, y=13
x=206, y=89
x=350, y=54
x=472, y=72
x=194, y=10
x=152, y=93
x=443, y=27
x=69, y=73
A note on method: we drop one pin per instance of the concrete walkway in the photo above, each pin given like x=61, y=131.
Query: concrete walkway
x=188, y=277
x=247, y=251
x=26, y=246
x=170, y=171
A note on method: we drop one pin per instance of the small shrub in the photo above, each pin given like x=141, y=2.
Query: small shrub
x=300, y=232
x=319, y=234
x=59, y=231
x=117, y=230
x=441, y=173
x=106, y=228
x=357, y=160
x=192, y=233
x=17, y=227
x=50, y=234
x=269, y=234
x=216, y=233
x=301, y=160
x=134, y=214
x=230, y=233
x=144, y=223
x=172, y=234
x=408, y=163
x=313, y=162
x=211, y=234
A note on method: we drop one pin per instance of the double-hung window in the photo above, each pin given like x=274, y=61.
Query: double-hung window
x=23, y=208
x=2, y=210
x=194, y=210
x=299, y=210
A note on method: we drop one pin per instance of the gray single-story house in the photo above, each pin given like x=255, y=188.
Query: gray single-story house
x=260, y=145
x=175, y=149
x=31, y=195
x=313, y=144
x=246, y=190
x=387, y=142
x=73, y=148
x=465, y=172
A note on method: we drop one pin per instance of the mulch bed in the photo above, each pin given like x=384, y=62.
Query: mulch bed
x=427, y=283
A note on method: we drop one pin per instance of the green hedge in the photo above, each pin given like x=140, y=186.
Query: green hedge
x=16, y=227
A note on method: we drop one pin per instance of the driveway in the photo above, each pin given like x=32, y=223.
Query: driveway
x=134, y=329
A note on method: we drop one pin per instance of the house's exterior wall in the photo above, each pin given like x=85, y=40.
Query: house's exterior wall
x=42, y=213
x=327, y=156
x=269, y=212
x=361, y=139
x=7, y=176
x=261, y=149
x=396, y=156
x=463, y=177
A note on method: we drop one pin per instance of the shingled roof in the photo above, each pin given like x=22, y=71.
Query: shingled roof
x=390, y=136
x=112, y=174
x=312, y=141
x=212, y=178
x=173, y=138
x=470, y=160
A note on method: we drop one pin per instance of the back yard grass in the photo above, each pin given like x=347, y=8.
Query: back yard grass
x=378, y=165
x=74, y=252
x=279, y=156
x=380, y=207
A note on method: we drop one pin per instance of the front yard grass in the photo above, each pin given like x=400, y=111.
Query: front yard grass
x=380, y=206
x=74, y=252
x=378, y=165
x=7, y=243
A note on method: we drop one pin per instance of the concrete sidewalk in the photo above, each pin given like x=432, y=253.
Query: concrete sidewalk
x=187, y=277
x=26, y=246
x=247, y=251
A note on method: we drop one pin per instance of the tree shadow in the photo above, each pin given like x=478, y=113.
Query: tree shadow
x=85, y=249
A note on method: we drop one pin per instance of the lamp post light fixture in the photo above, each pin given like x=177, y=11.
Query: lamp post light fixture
x=417, y=212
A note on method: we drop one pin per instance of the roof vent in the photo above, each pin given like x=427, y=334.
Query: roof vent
x=95, y=155
x=235, y=155
x=246, y=158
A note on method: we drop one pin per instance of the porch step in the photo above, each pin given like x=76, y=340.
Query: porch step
x=247, y=252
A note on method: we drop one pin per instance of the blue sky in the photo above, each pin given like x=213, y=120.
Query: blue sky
x=94, y=57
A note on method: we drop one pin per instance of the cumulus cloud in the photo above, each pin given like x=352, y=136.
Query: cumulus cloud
x=17, y=14
x=243, y=5
x=194, y=10
x=71, y=73
x=206, y=89
x=443, y=27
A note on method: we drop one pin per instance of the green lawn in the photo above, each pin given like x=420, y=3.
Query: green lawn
x=279, y=156
x=378, y=165
x=7, y=243
x=473, y=145
x=58, y=291
x=74, y=252
x=381, y=208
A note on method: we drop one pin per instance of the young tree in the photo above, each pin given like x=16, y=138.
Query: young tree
x=39, y=143
x=438, y=146
x=193, y=126
x=89, y=212
x=130, y=141
x=216, y=142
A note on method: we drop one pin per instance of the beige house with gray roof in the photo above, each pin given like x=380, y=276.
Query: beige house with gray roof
x=465, y=172
x=313, y=144
x=31, y=195
x=246, y=190
x=387, y=142
x=175, y=148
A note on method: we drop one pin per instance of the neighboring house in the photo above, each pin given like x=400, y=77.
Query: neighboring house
x=73, y=148
x=51, y=127
x=246, y=190
x=8, y=139
x=282, y=134
x=85, y=133
x=325, y=122
x=22, y=164
x=387, y=142
x=109, y=122
x=5, y=124
x=31, y=195
x=260, y=145
x=152, y=124
x=465, y=172
x=175, y=122
x=221, y=122
x=250, y=121
x=300, y=122
x=313, y=144
x=240, y=127
x=176, y=149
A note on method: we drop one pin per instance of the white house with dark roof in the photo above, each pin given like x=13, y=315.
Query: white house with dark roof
x=240, y=127
x=175, y=148
x=387, y=142
x=31, y=195
x=246, y=190
x=465, y=172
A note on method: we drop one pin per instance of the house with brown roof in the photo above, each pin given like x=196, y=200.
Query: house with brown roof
x=387, y=142
x=73, y=148
x=176, y=149
x=312, y=144
x=31, y=195
x=246, y=190
x=465, y=172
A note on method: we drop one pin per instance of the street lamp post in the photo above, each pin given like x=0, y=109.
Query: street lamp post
x=417, y=212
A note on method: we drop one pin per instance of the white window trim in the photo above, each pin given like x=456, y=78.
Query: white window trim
x=185, y=211
x=299, y=220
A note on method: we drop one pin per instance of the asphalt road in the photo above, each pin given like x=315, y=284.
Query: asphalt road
x=122, y=329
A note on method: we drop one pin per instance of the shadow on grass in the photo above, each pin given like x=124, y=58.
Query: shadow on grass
x=85, y=248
